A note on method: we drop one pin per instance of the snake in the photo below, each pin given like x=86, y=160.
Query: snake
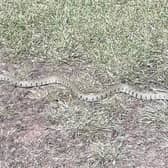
x=91, y=96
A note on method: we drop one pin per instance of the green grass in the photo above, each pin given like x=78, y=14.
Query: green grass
x=110, y=32
x=127, y=38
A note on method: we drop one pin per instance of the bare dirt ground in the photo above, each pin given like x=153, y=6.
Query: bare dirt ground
x=49, y=127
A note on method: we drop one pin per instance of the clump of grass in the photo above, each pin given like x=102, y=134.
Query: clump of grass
x=124, y=33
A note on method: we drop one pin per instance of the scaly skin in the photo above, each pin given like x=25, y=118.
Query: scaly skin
x=91, y=97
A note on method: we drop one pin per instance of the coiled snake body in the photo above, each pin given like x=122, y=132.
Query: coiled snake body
x=91, y=97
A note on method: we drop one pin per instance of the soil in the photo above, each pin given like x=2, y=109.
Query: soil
x=49, y=127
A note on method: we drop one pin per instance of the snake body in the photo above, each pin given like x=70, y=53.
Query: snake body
x=91, y=97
